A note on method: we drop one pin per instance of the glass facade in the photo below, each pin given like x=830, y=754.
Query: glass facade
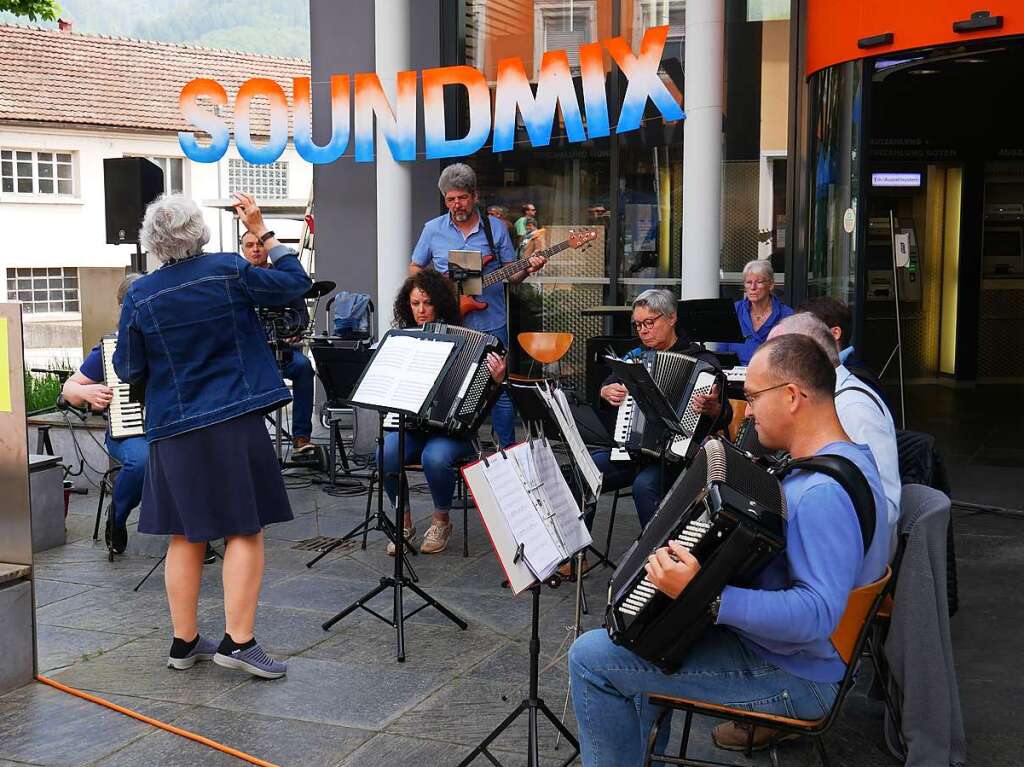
x=627, y=186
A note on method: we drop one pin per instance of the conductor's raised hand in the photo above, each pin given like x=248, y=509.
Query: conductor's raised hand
x=671, y=569
x=497, y=365
x=249, y=214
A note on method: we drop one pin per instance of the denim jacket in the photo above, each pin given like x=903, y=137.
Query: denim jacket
x=190, y=332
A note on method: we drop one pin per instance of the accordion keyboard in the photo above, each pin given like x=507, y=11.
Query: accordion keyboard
x=642, y=593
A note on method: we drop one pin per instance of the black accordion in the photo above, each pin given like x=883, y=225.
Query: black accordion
x=680, y=378
x=467, y=392
x=730, y=513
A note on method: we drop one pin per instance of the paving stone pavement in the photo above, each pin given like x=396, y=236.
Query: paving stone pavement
x=345, y=701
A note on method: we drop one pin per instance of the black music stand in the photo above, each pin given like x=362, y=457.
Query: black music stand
x=398, y=580
x=339, y=366
x=532, y=705
x=709, y=319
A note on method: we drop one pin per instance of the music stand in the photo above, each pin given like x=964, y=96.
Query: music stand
x=339, y=366
x=709, y=319
x=397, y=375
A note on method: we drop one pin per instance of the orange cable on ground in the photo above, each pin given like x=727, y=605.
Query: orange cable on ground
x=157, y=723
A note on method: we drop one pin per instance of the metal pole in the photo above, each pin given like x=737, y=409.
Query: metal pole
x=899, y=331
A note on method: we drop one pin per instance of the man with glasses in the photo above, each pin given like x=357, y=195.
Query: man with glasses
x=463, y=228
x=654, y=319
x=769, y=648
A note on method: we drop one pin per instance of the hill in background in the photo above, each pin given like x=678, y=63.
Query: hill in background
x=273, y=27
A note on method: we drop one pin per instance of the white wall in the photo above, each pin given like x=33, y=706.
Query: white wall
x=61, y=232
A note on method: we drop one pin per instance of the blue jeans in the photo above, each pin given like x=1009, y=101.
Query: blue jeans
x=609, y=686
x=300, y=371
x=503, y=414
x=645, y=478
x=438, y=455
x=132, y=453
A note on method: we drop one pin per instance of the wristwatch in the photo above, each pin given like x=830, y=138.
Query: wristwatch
x=714, y=607
x=267, y=235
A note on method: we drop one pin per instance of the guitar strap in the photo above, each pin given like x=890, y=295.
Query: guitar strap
x=485, y=224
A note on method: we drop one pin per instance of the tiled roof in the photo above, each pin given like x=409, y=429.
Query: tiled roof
x=92, y=80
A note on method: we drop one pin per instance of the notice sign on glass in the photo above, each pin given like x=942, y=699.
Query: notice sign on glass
x=895, y=179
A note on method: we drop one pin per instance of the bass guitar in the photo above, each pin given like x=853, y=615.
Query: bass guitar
x=575, y=240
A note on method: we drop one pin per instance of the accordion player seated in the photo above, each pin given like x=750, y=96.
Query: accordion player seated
x=427, y=299
x=766, y=638
x=654, y=318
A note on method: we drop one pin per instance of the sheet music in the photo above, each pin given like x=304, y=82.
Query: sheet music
x=566, y=511
x=524, y=518
x=558, y=405
x=402, y=373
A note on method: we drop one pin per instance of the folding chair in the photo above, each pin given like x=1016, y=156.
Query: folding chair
x=850, y=638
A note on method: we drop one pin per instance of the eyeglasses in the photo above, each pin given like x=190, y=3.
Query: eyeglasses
x=753, y=395
x=755, y=284
x=648, y=323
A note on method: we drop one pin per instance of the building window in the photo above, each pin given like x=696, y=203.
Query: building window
x=44, y=289
x=24, y=171
x=563, y=25
x=172, y=168
x=267, y=182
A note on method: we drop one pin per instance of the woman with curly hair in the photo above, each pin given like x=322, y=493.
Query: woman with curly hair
x=429, y=296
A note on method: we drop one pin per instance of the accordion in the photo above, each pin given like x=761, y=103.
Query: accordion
x=730, y=513
x=127, y=414
x=467, y=392
x=680, y=378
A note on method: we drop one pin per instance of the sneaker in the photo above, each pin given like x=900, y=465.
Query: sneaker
x=205, y=649
x=254, y=660
x=116, y=535
x=409, y=533
x=436, y=538
x=302, y=445
x=735, y=736
x=209, y=557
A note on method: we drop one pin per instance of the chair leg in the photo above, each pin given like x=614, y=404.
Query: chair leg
x=611, y=525
x=820, y=743
x=652, y=737
x=773, y=752
x=99, y=508
x=369, y=500
x=684, y=744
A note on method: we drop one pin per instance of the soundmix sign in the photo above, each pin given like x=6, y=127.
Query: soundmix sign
x=397, y=122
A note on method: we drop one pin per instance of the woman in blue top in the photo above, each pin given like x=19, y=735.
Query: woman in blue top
x=758, y=311
x=190, y=331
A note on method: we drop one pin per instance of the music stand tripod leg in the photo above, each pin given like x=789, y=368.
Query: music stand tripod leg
x=533, y=705
x=151, y=571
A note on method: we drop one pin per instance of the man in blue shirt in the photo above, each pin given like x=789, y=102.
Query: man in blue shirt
x=461, y=228
x=297, y=367
x=770, y=647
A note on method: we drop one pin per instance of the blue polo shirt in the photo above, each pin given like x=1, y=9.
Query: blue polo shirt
x=92, y=366
x=754, y=338
x=441, y=235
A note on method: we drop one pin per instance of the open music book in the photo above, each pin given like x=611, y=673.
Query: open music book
x=557, y=404
x=529, y=511
x=404, y=372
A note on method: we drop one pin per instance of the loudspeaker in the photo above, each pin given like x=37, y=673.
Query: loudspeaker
x=129, y=185
x=597, y=368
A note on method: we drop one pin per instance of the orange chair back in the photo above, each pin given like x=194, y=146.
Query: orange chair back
x=858, y=607
x=739, y=412
x=546, y=348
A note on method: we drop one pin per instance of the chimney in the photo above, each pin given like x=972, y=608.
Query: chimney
x=64, y=25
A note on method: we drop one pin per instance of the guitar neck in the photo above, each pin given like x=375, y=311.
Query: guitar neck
x=521, y=265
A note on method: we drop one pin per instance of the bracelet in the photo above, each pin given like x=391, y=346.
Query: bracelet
x=267, y=235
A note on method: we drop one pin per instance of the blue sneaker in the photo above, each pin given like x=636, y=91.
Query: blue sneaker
x=254, y=660
x=205, y=649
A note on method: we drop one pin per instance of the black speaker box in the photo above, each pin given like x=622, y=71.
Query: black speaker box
x=129, y=185
x=597, y=368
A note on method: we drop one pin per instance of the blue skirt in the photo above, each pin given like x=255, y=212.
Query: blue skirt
x=214, y=482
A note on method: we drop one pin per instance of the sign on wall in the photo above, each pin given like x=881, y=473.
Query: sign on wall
x=397, y=122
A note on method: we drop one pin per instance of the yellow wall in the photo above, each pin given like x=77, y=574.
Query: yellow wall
x=774, y=85
x=950, y=269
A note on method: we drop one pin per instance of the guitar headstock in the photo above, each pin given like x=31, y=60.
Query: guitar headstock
x=581, y=238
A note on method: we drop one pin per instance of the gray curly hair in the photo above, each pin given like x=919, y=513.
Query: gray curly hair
x=173, y=228
x=657, y=300
x=457, y=176
x=806, y=324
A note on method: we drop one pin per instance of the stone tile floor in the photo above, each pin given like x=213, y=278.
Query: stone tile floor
x=347, y=702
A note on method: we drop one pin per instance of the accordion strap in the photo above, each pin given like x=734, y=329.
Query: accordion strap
x=845, y=472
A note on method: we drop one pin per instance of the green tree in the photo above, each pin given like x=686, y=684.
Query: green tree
x=45, y=10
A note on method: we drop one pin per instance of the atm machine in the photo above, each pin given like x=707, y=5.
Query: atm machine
x=17, y=613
